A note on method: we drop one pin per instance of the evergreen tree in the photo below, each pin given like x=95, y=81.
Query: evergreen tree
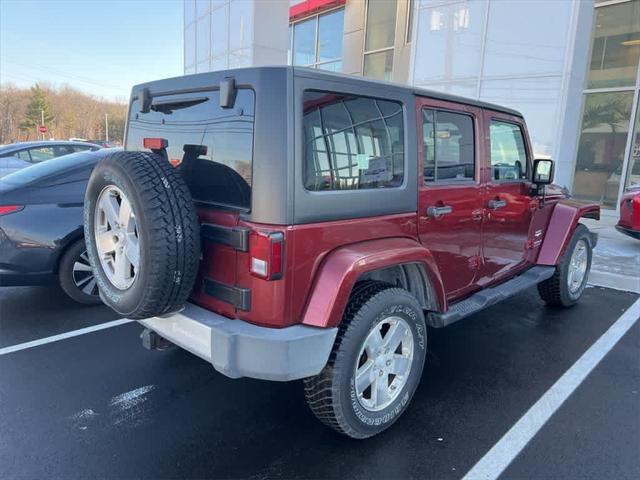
x=37, y=105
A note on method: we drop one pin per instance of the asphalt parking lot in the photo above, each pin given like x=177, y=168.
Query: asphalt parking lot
x=99, y=405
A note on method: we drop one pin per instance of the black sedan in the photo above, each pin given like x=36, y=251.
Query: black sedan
x=41, y=232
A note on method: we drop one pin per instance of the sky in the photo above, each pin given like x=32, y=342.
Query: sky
x=101, y=47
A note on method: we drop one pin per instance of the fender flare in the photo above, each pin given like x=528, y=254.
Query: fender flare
x=563, y=222
x=341, y=269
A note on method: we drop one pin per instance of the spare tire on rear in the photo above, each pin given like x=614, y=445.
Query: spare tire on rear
x=142, y=234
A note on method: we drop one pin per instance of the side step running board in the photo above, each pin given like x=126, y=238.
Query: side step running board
x=490, y=296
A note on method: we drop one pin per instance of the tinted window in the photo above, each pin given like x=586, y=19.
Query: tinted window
x=22, y=155
x=82, y=148
x=508, y=153
x=41, y=154
x=448, y=146
x=352, y=142
x=223, y=174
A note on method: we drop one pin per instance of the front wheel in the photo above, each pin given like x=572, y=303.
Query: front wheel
x=376, y=363
x=567, y=284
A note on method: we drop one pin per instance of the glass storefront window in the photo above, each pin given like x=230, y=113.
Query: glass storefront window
x=379, y=65
x=605, y=126
x=381, y=24
x=615, y=48
x=633, y=168
x=304, y=42
x=317, y=41
x=330, y=29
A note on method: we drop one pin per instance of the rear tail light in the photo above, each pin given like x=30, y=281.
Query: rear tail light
x=266, y=254
x=6, y=209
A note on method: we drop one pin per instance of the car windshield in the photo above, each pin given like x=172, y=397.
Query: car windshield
x=50, y=167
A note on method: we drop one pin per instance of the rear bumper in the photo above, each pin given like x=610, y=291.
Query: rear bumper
x=240, y=349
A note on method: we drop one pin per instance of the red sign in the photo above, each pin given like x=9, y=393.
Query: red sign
x=42, y=129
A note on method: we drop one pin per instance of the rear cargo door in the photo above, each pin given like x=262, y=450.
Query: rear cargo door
x=213, y=148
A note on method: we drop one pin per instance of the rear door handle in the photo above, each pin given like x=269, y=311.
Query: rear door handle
x=496, y=204
x=436, y=212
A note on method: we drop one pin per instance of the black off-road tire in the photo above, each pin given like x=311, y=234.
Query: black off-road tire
x=66, y=273
x=555, y=290
x=169, y=234
x=331, y=394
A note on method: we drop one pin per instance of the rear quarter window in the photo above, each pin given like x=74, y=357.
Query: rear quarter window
x=352, y=142
x=223, y=175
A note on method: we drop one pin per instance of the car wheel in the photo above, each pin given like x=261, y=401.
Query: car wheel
x=142, y=234
x=375, y=365
x=568, y=282
x=76, y=277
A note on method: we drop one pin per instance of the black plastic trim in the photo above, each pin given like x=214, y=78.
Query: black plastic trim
x=236, y=296
x=492, y=295
x=237, y=238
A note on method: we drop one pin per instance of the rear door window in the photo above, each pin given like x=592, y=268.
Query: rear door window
x=222, y=176
x=352, y=142
x=448, y=146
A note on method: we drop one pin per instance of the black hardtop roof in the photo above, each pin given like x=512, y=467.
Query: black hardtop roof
x=201, y=80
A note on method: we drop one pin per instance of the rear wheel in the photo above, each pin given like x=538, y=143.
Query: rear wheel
x=376, y=364
x=567, y=284
x=76, y=277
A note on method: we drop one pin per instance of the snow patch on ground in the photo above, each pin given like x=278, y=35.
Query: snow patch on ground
x=128, y=408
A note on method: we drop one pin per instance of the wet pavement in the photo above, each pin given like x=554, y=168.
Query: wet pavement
x=99, y=405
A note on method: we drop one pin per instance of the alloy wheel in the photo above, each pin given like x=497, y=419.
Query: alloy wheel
x=384, y=363
x=117, y=237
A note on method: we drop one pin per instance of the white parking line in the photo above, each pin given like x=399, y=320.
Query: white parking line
x=62, y=336
x=516, y=439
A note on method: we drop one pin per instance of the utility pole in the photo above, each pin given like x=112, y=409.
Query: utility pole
x=106, y=127
x=42, y=121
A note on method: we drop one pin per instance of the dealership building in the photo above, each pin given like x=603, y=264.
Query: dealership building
x=570, y=66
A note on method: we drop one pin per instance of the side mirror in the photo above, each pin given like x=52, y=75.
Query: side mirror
x=542, y=171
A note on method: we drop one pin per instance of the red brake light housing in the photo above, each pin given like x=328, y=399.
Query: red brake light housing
x=266, y=254
x=155, y=143
x=7, y=209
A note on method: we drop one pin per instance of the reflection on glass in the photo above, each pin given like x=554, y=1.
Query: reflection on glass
x=352, y=142
x=219, y=37
x=379, y=65
x=508, y=154
x=615, y=47
x=450, y=40
x=381, y=24
x=304, y=38
x=330, y=29
x=331, y=66
x=190, y=46
x=203, y=39
x=189, y=12
x=537, y=99
x=241, y=25
x=633, y=169
x=223, y=174
x=524, y=37
x=605, y=125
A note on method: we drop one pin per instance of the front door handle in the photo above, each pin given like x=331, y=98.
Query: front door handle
x=496, y=204
x=437, y=212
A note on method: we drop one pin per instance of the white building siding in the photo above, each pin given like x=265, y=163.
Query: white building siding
x=520, y=54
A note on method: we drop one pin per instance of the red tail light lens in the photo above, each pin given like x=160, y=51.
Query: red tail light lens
x=155, y=143
x=6, y=209
x=266, y=252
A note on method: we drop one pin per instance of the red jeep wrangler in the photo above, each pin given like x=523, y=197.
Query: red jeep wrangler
x=285, y=223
